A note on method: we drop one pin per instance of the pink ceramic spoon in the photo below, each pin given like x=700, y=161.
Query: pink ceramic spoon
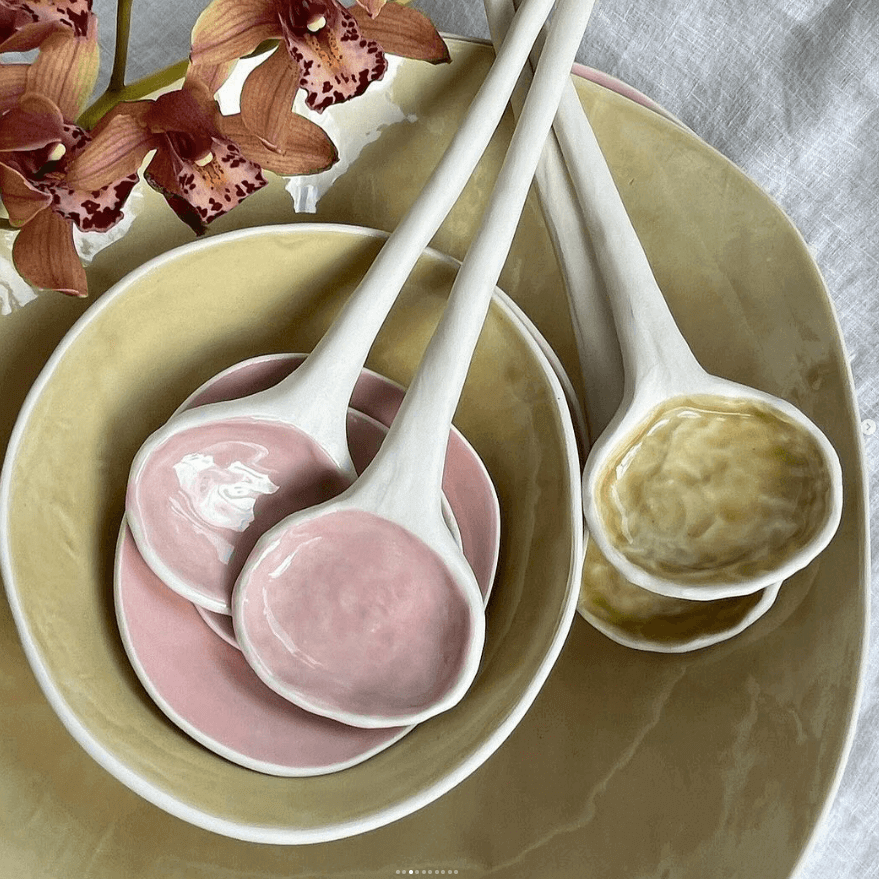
x=363, y=609
x=200, y=488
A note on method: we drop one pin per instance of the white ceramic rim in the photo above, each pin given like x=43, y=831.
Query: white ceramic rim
x=697, y=642
x=147, y=789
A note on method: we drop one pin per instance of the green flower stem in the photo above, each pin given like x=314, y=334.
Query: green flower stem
x=117, y=91
x=134, y=92
x=123, y=35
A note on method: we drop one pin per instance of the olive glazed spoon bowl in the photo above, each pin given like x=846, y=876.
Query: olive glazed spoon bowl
x=658, y=364
x=402, y=485
x=314, y=399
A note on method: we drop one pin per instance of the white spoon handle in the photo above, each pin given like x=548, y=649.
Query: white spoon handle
x=601, y=366
x=409, y=466
x=651, y=340
x=332, y=369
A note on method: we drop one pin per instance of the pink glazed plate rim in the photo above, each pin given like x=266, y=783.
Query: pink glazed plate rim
x=607, y=81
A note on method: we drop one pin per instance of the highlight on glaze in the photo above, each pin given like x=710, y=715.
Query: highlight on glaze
x=205, y=496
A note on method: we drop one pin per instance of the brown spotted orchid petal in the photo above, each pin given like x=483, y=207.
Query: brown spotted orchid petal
x=308, y=148
x=92, y=211
x=18, y=33
x=336, y=62
x=373, y=7
x=66, y=70
x=13, y=84
x=230, y=29
x=116, y=150
x=401, y=30
x=71, y=14
x=160, y=174
x=34, y=123
x=22, y=200
x=25, y=25
x=267, y=98
x=201, y=192
x=45, y=256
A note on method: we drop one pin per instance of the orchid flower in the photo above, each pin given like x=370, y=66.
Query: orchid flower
x=205, y=163
x=24, y=24
x=37, y=144
x=331, y=51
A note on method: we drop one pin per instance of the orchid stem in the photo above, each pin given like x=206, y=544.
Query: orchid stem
x=117, y=91
x=134, y=92
x=123, y=34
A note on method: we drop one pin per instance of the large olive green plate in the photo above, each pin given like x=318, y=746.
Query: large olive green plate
x=717, y=763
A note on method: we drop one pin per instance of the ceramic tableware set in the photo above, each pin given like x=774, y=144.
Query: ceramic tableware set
x=206, y=653
x=213, y=494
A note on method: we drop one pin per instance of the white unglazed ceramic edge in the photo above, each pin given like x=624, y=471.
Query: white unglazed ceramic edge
x=697, y=642
x=150, y=791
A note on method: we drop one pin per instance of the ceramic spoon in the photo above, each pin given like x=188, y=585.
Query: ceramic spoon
x=622, y=611
x=363, y=609
x=659, y=368
x=199, y=493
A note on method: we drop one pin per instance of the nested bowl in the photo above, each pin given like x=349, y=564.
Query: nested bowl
x=124, y=368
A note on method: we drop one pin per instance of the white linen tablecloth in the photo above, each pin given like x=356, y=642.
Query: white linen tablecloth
x=789, y=91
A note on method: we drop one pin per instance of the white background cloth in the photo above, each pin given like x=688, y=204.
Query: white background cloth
x=789, y=91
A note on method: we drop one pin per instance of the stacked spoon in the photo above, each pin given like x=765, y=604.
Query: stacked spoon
x=696, y=489
x=362, y=608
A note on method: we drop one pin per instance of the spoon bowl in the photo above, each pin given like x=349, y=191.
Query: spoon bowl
x=703, y=488
x=390, y=638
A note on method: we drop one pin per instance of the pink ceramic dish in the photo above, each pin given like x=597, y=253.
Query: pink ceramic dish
x=202, y=682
